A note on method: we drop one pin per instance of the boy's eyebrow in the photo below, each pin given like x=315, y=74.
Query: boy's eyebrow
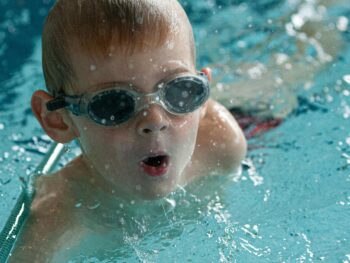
x=177, y=70
x=173, y=71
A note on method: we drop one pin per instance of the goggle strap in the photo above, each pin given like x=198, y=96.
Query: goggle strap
x=56, y=104
x=203, y=75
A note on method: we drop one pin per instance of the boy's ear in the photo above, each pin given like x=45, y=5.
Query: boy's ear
x=57, y=124
x=207, y=72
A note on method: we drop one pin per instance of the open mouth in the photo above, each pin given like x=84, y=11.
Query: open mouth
x=155, y=165
x=156, y=161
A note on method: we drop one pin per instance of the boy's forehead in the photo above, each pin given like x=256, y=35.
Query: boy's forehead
x=154, y=63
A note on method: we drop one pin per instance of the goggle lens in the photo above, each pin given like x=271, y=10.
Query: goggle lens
x=112, y=107
x=185, y=95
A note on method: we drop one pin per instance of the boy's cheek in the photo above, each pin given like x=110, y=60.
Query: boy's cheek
x=203, y=110
x=186, y=122
x=185, y=131
x=99, y=140
x=106, y=142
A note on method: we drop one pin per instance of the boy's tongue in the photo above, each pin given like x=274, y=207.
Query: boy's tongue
x=155, y=165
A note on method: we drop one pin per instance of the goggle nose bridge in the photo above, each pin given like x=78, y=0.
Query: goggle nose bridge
x=145, y=100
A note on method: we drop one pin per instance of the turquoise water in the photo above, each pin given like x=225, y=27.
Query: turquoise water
x=292, y=201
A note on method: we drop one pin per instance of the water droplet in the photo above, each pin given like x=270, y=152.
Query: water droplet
x=185, y=94
x=92, y=207
x=188, y=85
x=220, y=87
x=112, y=118
x=210, y=234
x=2, y=126
x=281, y=58
x=92, y=67
x=15, y=148
x=347, y=140
x=288, y=66
x=77, y=205
x=256, y=71
x=342, y=23
x=241, y=44
x=346, y=78
x=298, y=21
x=103, y=121
x=170, y=44
x=181, y=103
x=171, y=202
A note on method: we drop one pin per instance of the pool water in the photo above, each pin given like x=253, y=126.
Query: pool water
x=292, y=201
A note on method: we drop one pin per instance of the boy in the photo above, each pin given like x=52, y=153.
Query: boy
x=122, y=81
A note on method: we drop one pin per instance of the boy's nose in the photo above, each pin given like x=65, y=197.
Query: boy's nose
x=152, y=120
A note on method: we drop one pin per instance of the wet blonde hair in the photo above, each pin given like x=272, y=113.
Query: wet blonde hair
x=98, y=27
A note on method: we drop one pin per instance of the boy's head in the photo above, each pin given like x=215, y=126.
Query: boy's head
x=92, y=46
x=106, y=28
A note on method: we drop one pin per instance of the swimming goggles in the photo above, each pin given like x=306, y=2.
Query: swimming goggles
x=179, y=95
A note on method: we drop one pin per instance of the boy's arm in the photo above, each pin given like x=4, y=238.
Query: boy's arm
x=47, y=221
x=221, y=145
x=34, y=244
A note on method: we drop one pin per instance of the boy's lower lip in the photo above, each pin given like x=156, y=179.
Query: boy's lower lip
x=154, y=171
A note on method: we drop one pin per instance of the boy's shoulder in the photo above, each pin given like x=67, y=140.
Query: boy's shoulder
x=57, y=194
x=52, y=194
x=221, y=144
x=54, y=202
x=51, y=216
